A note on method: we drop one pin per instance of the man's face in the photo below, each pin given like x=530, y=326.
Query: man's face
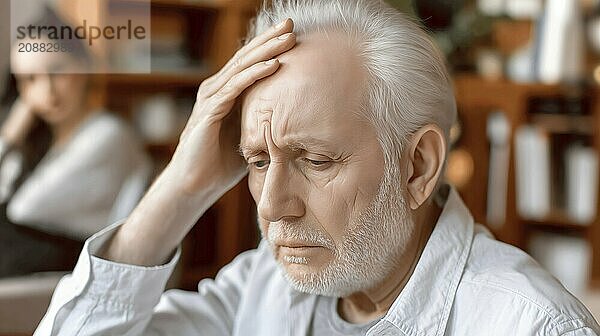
x=315, y=168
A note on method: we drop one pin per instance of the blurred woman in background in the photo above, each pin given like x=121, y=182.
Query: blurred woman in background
x=67, y=169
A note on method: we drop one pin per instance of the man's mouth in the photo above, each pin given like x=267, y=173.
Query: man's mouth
x=299, y=253
x=296, y=260
x=297, y=244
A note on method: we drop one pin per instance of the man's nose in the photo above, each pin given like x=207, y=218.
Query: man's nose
x=279, y=199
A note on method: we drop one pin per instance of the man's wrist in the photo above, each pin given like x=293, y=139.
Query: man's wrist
x=174, y=182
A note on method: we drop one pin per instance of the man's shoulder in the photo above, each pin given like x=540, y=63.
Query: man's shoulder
x=505, y=281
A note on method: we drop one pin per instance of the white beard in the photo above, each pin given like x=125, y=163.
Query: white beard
x=371, y=248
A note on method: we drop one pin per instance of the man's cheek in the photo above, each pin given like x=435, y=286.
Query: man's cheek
x=330, y=212
x=324, y=180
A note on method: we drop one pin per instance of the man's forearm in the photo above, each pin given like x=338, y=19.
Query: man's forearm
x=158, y=224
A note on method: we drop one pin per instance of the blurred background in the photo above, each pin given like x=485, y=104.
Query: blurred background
x=524, y=149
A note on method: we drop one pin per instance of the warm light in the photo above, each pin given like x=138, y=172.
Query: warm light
x=461, y=168
x=597, y=74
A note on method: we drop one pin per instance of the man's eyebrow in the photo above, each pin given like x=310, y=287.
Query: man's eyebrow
x=293, y=145
x=249, y=150
x=309, y=144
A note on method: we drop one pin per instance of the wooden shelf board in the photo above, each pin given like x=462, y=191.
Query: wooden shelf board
x=565, y=124
x=482, y=85
x=185, y=4
x=557, y=222
x=191, y=78
x=197, y=4
x=203, y=4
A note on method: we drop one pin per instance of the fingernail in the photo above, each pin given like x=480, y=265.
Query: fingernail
x=284, y=36
x=281, y=24
x=271, y=61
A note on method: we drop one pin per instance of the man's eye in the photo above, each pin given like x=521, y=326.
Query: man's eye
x=260, y=164
x=317, y=163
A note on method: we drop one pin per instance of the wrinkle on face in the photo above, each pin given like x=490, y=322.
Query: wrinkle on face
x=312, y=108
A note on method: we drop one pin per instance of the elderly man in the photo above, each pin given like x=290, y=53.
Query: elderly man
x=344, y=127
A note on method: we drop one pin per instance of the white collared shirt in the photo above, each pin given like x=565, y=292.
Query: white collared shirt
x=465, y=283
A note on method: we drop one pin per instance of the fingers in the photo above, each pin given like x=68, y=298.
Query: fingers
x=263, y=52
x=285, y=26
x=217, y=94
x=218, y=106
x=261, y=48
x=224, y=99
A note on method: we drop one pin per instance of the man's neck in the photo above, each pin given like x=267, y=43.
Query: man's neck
x=362, y=307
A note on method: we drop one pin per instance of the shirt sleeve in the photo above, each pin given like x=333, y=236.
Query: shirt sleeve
x=72, y=193
x=102, y=297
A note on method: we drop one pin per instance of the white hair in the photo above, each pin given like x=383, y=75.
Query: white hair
x=408, y=85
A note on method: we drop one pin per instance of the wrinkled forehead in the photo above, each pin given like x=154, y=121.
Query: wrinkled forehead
x=320, y=82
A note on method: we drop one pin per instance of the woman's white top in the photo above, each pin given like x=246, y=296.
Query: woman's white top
x=79, y=188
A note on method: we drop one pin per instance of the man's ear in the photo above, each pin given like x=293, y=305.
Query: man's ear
x=425, y=154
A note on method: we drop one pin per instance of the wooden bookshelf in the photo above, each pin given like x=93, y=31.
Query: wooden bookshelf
x=566, y=124
x=557, y=222
x=476, y=99
x=210, y=31
x=182, y=78
x=205, y=4
x=191, y=4
x=229, y=227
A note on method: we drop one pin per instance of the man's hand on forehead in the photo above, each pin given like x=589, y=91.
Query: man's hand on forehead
x=215, y=99
x=205, y=164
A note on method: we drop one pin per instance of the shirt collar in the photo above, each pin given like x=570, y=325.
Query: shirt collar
x=423, y=306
